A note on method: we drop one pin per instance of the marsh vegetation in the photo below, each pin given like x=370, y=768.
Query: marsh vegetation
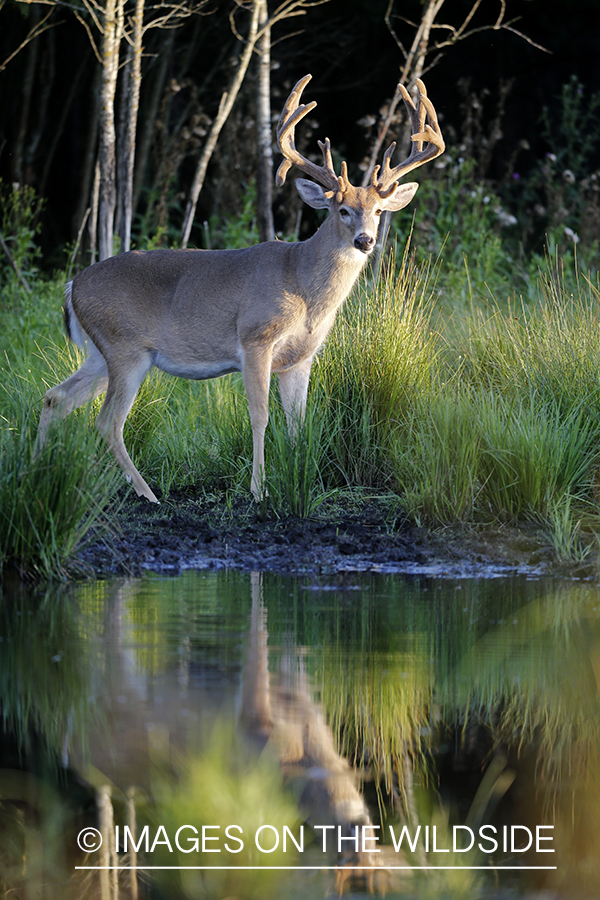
x=461, y=377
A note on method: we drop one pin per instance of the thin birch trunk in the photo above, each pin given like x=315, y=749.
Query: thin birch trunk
x=225, y=107
x=127, y=156
x=113, y=31
x=150, y=112
x=264, y=173
x=94, y=214
x=413, y=69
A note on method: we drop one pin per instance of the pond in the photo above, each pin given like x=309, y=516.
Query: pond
x=241, y=735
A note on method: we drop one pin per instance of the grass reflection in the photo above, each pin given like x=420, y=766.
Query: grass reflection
x=46, y=672
x=231, y=792
x=464, y=702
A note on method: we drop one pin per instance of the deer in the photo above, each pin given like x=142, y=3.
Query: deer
x=260, y=310
x=277, y=709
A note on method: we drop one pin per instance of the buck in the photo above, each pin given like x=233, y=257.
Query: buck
x=204, y=313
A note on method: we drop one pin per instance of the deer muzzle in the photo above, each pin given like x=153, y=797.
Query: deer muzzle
x=364, y=242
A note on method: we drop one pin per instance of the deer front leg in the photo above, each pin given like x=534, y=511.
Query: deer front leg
x=293, y=389
x=257, y=376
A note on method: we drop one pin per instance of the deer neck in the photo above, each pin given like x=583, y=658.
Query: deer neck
x=327, y=270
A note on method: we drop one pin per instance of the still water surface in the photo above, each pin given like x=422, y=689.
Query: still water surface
x=238, y=736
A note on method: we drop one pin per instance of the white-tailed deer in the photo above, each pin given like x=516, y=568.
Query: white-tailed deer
x=204, y=313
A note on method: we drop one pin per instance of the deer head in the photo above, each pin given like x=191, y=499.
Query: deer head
x=356, y=211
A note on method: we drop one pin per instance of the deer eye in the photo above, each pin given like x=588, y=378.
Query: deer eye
x=344, y=213
x=378, y=212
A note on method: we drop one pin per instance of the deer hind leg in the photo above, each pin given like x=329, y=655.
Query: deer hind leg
x=293, y=389
x=123, y=385
x=84, y=385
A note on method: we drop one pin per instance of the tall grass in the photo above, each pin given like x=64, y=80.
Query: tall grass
x=48, y=503
x=378, y=710
x=472, y=413
x=510, y=430
x=381, y=355
x=198, y=434
x=296, y=463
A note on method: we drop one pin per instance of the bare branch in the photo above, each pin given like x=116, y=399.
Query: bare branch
x=414, y=60
x=90, y=8
x=390, y=28
x=474, y=9
x=286, y=10
x=227, y=101
x=96, y=52
x=526, y=38
x=413, y=69
x=459, y=34
x=53, y=3
x=174, y=15
x=34, y=32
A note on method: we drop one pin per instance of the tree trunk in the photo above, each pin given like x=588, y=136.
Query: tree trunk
x=131, y=88
x=90, y=154
x=264, y=173
x=413, y=68
x=225, y=107
x=150, y=111
x=113, y=30
x=18, y=162
x=94, y=214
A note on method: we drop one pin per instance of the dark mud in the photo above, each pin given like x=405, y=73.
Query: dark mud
x=344, y=535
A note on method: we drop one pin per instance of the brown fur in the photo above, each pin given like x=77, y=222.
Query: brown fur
x=204, y=313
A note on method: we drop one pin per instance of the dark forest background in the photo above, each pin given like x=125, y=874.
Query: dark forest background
x=490, y=90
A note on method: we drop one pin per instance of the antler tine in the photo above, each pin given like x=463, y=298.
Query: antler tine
x=423, y=133
x=292, y=113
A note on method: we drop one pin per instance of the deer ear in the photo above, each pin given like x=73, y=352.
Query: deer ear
x=312, y=193
x=401, y=196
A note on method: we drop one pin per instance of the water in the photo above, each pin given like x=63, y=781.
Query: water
x=252, y=735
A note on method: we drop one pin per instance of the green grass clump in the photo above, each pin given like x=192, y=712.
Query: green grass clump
x=467, y=410
x=380, y=356
x=217, y=785
x=295, y=464
x=436, y=454
x=48, y=503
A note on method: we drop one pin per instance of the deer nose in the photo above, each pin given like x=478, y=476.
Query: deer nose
x=364, y=242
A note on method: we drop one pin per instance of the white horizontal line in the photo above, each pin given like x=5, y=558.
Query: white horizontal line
x=333, y=868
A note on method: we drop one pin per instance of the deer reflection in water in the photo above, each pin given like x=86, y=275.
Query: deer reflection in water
x=281, y=711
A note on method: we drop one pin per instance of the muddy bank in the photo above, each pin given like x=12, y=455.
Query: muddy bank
x=344, y=535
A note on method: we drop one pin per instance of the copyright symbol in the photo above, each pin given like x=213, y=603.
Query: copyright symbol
x=89, y=840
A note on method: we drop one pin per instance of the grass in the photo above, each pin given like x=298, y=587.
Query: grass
x=48, y=503
x=294, y=475
x=377, y=709
x=485, y=412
